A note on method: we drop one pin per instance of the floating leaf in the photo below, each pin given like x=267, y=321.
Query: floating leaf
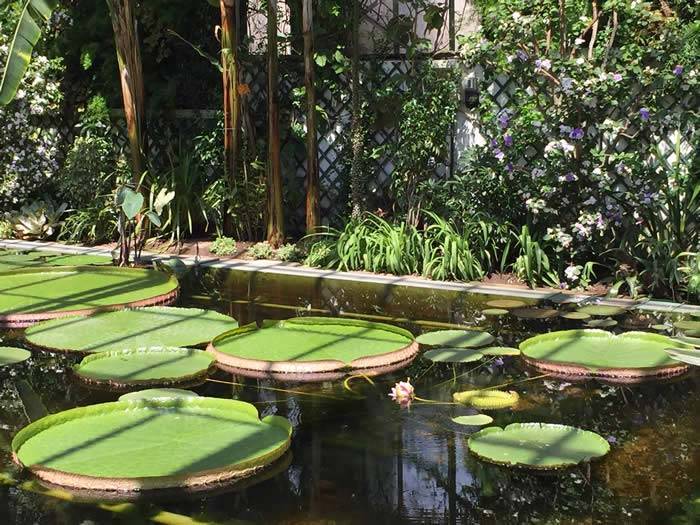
x=9, y=355
x=692, y=341
x=494, y=312
x=157, y=443
x=154, y=365
x=601, y=323
x=598, y=351
x=506, y=304
x=691, y=357
x=537, y=445
x=499, y=350
x=124, y=329
x=602, y=310
x=477, y=420
x=535, y=313
x=687, y=325
x=575, y=316
x=456, y=338
x=453, y=355
x=307, y=345
x=157, y=393
x=487, y=399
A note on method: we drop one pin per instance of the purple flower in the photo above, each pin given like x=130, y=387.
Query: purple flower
x=678, y=70
x=612, y=440
x=576, y=134
x=644, y=113
x=499, y=154
x=493, y=143
x=509, y=167
x=503, y=119
x=617, y=77
x=570, y=177
x=564, y=129
x=522, y=55
x=543, y=63
x=508, y=140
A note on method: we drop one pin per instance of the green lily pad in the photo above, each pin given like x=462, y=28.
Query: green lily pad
x=154, y=365
x=79, y=288
x=495, y=312
x=126, y=329
x=9, y=355
x=537, y=445
x=453, y=355
x=487, y=399
x=535, y=313
x=499, y=350
x=150, y=444
x=691, y=357
x=10, y=261
x=78, y=260
x=597, y=351
x=506, y=304
x=602, y=310
x=307, y=345
x=477, y=420
x=456, y=338
x=157, y=393
x=575, y=316
x=687, y=325
x=692, y=341
x=601, y=323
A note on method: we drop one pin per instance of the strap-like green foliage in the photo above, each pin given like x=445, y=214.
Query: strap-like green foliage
x=156, y=437
x=487, y=399
x=453, y=355
x=691, y=357
x=35, y=14
x=687, y=325
x=313, y=339
x=598, y=349
x=40, y=290
x=537, y=445
x=456, y=338
x=145, y=365
x=157, y=393
x=477, y=420
x=9, y=355
x=125, y=329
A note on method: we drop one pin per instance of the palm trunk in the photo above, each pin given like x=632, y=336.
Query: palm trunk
x=232, y=114
x=275, y=217
x=313, y=209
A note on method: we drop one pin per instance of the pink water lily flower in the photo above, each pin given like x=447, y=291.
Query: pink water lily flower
x=403, y=393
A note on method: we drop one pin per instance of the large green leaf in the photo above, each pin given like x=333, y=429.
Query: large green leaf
x=537, y=445
x=153, y=365
x=157, y=393
x=17, y=261
x=598, y=349
x=456, y=338
x=486, y=399
x=453, y=355
x=9, y=355
x=684, y=355
x=155, y=443
x=124, y=329
x=35, y=14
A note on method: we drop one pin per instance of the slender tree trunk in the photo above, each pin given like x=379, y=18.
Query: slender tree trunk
x=131, y=78
x=356, y=178
x=133, y=95
x=232, y=113
x=313, y=209
x=275, y=217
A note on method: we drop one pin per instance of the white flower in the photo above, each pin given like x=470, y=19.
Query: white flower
x=572, y=272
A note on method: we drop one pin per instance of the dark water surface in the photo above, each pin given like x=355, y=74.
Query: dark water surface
x=362, y=459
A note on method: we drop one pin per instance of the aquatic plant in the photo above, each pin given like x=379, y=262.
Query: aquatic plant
x=486, y=399
x=476, y=420
x=456, y=338
x=10, y=355
x=453, y=355
x=403, y=393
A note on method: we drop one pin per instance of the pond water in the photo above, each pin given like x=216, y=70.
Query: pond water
x=357, y=457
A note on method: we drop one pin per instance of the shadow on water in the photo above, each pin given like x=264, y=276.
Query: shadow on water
x=362, y=459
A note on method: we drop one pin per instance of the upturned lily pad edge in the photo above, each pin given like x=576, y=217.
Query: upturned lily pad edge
x=200, y=479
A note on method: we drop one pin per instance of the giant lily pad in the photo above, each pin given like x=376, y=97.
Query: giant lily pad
x=9, y=355
x=535, y=313
x=145, y=366
x=597, y=353
x=476, y=420
x=537, y=445
x=456, y=338
x=140, y=445
x=10, y=261
x=125, y=329
x=601, y=310
x=506, y=304
x=453, y=355
x=691, y=357
x=157, y=393
x=28, y=296
x=486, y=399
x=302, y=347
x=499, y=350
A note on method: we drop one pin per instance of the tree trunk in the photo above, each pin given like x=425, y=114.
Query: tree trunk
x=275, y=217
x=131, y=78
x=313, y=209
x=356, y=139
x=232, y=113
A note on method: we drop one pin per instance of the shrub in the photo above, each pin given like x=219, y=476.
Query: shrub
x=38, y=220
x=224, y=246
x=91, y=225
x=6, y=231
x=288, y=253
x=322, y=254
x=262, y=250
